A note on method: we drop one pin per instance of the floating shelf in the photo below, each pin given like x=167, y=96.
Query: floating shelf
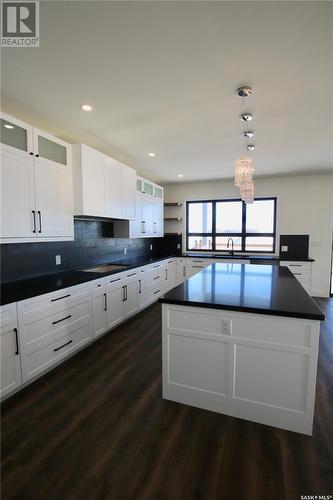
x=173, y=218
x=175, y=204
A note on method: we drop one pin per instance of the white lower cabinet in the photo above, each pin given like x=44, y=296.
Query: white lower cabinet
x=40, y=332
x=99, y=307
x=52, y=326
x=302, y=272
x=11, y=377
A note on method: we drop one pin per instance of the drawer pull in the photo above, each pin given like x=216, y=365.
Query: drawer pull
x=156, y=292
x=170, y=262
x=63, y=297
x=63, y=319
x=140, y=286
x=199, y=267
x=297, y=274
x=129, y=275
x=295, y=265
x=57, y=348
x=117, y=279
x=157, y=277
x=17, y=352
x=158, y=265
x=197, y=260
x=105, y=302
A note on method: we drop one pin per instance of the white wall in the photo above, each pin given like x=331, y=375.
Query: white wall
x=304, y=206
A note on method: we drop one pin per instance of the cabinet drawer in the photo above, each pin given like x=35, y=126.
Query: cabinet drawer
x=8, y=314
x=46, y=305
x=37, y=334
x=297, y=267
x=114, y=282
x=42, y=359
x=131, y=277
x=304, y=281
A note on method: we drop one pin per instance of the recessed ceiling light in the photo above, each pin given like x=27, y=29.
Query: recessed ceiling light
x=180, y=175
x=86, y=107
x=151, y=155
x=8, y=126
x=250, y=147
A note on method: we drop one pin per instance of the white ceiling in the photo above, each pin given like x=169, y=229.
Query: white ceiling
x=161, y=77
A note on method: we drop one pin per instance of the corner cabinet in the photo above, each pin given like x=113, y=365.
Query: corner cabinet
x=148, y=222
x=103, y=186
x=36, y=185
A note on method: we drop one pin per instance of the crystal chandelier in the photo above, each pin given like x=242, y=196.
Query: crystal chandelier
x=244, y=165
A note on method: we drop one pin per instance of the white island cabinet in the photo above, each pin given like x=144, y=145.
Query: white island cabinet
x=243, y=341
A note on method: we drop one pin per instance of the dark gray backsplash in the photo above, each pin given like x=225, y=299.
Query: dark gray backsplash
x=93, y=244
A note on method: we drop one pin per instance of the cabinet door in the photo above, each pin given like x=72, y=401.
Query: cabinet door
x=157, y=217
x=147, y=215
x=16, y=136
x=116, y=311
x=136, y=226
x=113, y=188
x=128, y=191
x=54, y=199
x=131, y=302
x=99, y=308
x=93, y=181
x=11, y=377
x=17, y=195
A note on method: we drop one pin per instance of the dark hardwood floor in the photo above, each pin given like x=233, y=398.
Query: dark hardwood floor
x=97, y=428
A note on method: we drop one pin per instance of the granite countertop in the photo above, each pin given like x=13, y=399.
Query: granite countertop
x=15, y=291
x=250, y=288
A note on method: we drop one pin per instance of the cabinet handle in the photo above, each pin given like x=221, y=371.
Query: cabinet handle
x=157, y=277
x=17, y=343
x=155, y=228
x=297, y=274
x=40, y=221
x=158, y=265
x=129, y=275
x=57, y=349
x=143, y=226
x=105, y=302
x=124, y=294
x=156, y=292
x=140, y=286
x=117, y=279
x=295, y=265
x=200, y=267
x=63, y=319
x=166, y=274
x=184, y=271
x=34, y=218
x=31, y=153
x=126, y=291
x=170, y=262
x=63, y=297
x=197, y=260
x=37, y=155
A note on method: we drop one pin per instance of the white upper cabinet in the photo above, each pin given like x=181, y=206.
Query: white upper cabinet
x=149, y=213
x=36, y=184
x=103, y=187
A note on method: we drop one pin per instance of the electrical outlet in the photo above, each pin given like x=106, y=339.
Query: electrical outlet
x=284, y=248
x=58, y=260
x=178, y=246
x=226, y=327
x=125, y=250
x=151, y=246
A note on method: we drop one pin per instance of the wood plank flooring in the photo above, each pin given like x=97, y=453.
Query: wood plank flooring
x=97, y=428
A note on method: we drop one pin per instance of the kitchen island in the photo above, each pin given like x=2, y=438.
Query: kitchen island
x=242, y=339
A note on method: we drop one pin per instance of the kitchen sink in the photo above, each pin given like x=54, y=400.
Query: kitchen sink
x=105, y=268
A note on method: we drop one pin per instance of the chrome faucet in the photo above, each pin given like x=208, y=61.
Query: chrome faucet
x=232, y=245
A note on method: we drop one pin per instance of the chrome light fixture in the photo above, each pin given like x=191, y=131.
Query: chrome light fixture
x=243, y=171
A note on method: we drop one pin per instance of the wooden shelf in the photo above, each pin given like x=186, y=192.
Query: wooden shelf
x=175, y=204
x=175, y=219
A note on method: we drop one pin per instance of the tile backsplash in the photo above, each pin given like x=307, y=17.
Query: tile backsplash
x=94, y=244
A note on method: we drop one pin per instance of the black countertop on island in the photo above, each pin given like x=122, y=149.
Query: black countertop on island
x=257, y=289
x=252, y=258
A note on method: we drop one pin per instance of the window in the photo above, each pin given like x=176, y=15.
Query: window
x=210, y=223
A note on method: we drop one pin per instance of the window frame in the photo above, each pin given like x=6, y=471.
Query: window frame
x=243, y=234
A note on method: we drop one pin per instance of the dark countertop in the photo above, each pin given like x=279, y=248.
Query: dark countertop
x=252, y=258
x=247, y=288
x=20, y=290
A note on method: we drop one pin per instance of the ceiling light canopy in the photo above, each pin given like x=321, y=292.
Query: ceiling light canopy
x=244, y=91
x=86, y=107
